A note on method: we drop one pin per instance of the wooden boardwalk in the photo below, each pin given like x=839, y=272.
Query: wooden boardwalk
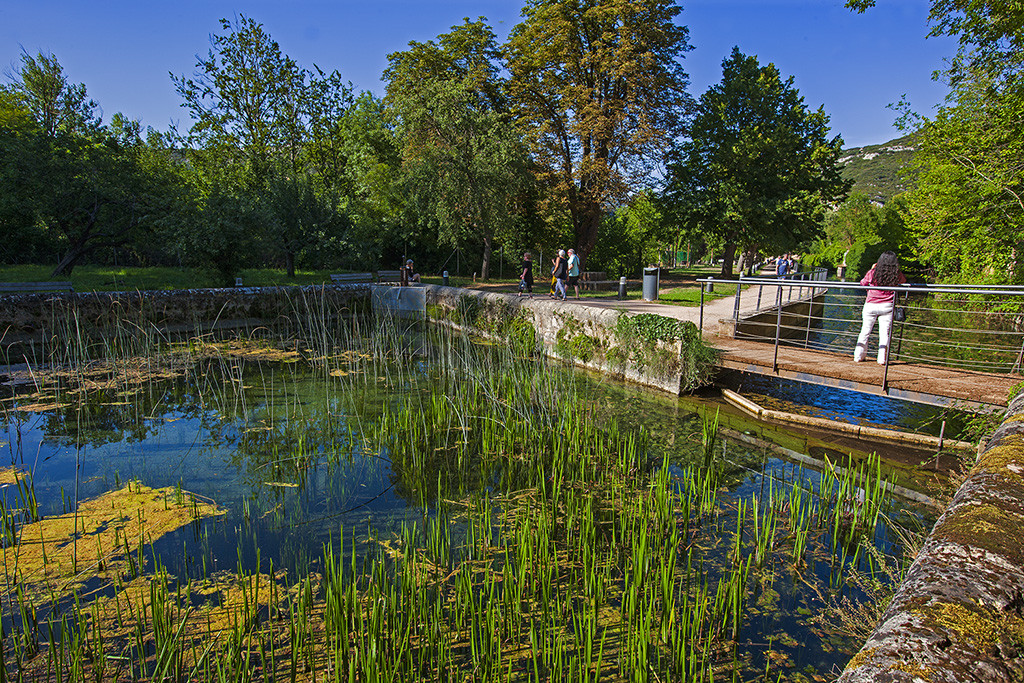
x=934, y=385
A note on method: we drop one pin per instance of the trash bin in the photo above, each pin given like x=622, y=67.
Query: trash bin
x=650, y=290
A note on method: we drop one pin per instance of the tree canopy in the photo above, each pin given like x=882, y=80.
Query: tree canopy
x=758, y=170
x=464, y=160
x=967, y=209
x=601, y=92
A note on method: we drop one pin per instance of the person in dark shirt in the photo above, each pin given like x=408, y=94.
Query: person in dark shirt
x=526, y=276
x=409, y=274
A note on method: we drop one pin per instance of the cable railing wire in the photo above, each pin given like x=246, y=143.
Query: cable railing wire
x=945, y=325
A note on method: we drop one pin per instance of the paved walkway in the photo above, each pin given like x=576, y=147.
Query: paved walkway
x=935, y=385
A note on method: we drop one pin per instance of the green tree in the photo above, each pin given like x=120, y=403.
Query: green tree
x=56, y=105
x=638, y=233
x=84, y=185
x=968, y=207
x=600, y=89
x=463, y=157
x=260, y=122
x=758, y=170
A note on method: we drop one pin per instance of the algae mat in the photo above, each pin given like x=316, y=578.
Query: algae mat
x=55, y=555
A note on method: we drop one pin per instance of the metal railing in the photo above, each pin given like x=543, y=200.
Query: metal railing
x=978, y=328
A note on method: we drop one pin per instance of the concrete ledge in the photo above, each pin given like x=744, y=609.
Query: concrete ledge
x=549, y=317
x=957, y=616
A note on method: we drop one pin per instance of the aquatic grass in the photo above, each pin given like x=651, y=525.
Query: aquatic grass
x=554, y=542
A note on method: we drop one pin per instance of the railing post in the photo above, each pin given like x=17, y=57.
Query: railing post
x=899, y=342
x=778, y=329
x=810, y=311
x=701, y=326
x=888, y=348
x=736, y=307
x=760, y=288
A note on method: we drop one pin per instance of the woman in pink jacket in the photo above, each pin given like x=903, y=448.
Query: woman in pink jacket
x=879, y=305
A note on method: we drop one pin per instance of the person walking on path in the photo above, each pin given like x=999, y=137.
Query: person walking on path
x=561, y=270
x=782, y=266
x=526, y=276
x=879, y=305
x=574, y=271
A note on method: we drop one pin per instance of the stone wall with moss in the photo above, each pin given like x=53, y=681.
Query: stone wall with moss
x=645, y=348
x=959, y=613
x=28, y=319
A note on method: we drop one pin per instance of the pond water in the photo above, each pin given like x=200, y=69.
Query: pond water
x=415, y=505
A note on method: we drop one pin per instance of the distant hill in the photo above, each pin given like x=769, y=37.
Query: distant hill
x=875, y=169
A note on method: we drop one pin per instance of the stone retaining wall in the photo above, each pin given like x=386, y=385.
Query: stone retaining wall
x=583, y=335
x=959, y=613
x=32, y=319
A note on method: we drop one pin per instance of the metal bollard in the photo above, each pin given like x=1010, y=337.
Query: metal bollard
x=622, y=287
x=444, y=278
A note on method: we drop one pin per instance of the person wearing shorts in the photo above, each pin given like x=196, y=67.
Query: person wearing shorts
x=573, y=279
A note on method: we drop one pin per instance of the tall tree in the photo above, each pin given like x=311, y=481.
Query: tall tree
x=241, y=99
x=968, y=207
x=82, y=182
x=601, y=89
x=57, y=105
x=759, y=169
x=259, y=121
x=463, y=156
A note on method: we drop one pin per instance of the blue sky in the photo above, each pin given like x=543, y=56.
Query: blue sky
x=853, y=64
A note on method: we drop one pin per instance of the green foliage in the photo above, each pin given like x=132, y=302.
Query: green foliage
x=641, y=340
x=880, y=171
x=521, y=335
x=465, y=164
x=600, y=89
x=758, y=170
x=467, y=311
x=632, y=237
x=967, y=209
x=573, y=342
x=99, y=278
x=857, y=233
x=72, y=186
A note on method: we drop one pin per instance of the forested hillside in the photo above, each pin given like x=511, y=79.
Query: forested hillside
x=877, y=170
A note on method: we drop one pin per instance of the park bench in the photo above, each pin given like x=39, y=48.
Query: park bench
x=595, y=280
x=351, y=278
x=25, y=287
x=389, y=276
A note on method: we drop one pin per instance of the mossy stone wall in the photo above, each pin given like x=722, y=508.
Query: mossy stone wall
x=582, y=335
x=959, y=613
x=33, y=318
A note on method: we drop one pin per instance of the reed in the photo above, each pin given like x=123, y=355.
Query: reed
x=547, y=540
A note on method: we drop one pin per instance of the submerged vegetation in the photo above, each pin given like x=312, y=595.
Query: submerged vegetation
x=399, y=503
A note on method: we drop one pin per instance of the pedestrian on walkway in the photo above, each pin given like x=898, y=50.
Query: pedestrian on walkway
x=526, y=276
x=879, y=305
x=574, y=271
x=560, y=273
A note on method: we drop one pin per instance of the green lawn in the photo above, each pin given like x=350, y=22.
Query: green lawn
x=108, y=278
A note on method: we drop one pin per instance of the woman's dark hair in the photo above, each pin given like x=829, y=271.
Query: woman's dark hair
x=887, y=270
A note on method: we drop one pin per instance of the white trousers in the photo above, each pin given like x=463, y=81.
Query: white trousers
x=883, y=314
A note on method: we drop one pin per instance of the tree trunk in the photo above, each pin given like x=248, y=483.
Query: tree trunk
x=67, y=264
x=727, y=257
x=289, y=260
x=485, y=266
x=587, y=223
